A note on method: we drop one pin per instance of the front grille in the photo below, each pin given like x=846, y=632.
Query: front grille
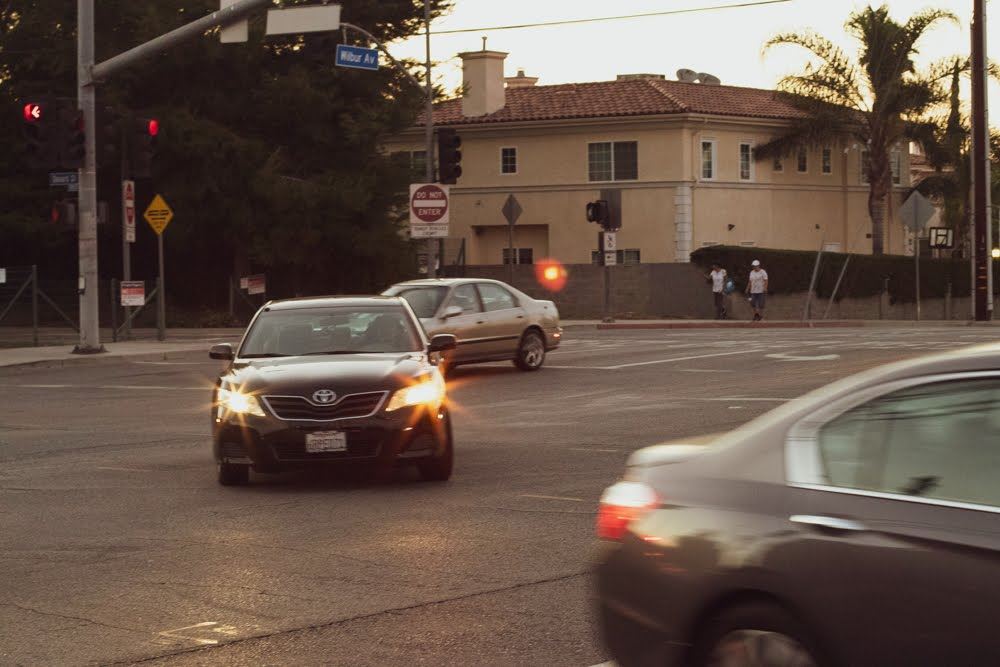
x=361, y=443
x=232, y=450
x=292, y=408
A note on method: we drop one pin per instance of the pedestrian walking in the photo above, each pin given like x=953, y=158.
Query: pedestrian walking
x=718, y=276
x=757, y=289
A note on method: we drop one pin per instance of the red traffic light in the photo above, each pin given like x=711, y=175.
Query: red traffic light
x=32, y=112
x=153, y=127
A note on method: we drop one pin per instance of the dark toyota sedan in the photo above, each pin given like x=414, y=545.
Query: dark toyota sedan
x=329, y=380
x=858, y=525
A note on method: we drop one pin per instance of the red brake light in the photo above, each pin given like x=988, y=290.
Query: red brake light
x=621, y=504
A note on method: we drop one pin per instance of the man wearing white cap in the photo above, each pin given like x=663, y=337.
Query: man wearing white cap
x=757, y=289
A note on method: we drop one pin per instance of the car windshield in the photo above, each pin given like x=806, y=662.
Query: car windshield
x=424, y=301
x=339, y=330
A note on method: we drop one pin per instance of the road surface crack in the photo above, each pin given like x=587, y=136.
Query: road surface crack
x=70, y=617
x=361, y=617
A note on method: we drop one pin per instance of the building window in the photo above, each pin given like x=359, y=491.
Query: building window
x=895, y=162
x=827, y=160
x=865, y=166
x=613, y=161
x=628, y=256
x=708, y=159
x=803, y=160
x=415, y=161
x=508, y=160
x=778, y=165
x=521, y=256
x=746, y=162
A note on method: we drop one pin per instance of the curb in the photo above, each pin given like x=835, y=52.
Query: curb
x=102, y=359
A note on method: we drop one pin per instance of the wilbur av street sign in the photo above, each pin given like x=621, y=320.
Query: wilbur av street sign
x=357, y=57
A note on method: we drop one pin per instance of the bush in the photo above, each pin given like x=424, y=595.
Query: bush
x=790, y=271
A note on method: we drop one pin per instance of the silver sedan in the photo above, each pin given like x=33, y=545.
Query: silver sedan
x=492, y=320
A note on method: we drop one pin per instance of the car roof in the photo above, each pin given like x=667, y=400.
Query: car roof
x=444, y=282
x=334, y=301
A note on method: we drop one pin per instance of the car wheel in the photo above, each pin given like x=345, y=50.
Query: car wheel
x=758, y=635
x=438, y=468
x=531, y=352
x=232, y=474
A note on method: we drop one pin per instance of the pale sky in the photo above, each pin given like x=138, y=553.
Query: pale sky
x=726, y=43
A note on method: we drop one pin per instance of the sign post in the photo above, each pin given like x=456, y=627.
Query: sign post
x=128, y=237
x=511, y=212
x=159, y=215
x=915, y=213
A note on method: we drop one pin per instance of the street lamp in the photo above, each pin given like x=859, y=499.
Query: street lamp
x=996, y=253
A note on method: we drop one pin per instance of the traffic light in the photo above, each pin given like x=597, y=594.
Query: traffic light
x=72, y=148
x=449, y=157
x=64, y=213
x=598, y=211
x=38, y=136
x=142, y=144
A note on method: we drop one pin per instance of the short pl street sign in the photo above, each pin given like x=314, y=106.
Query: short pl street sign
x=428, y=210
x=357, y=57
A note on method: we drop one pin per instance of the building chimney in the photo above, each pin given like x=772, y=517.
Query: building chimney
x=521, y=81
x=482, y=82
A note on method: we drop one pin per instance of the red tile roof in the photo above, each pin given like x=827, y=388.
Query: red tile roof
x=628, y=97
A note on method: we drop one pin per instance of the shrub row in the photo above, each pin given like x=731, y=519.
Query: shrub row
x=790, y=271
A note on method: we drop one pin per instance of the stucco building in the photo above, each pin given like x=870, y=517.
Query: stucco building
x=681, y=153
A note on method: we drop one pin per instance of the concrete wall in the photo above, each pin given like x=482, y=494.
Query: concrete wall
x=681, y=291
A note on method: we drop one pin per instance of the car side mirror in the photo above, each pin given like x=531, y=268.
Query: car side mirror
x=451, y=311
x=222, y=351
x=442, y=343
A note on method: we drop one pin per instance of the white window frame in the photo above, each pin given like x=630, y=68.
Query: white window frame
x=517, y=255
x=612, y=143
x=896, y=166
x=714, y=160
x=516, y=161
x=748, y=244
x=803, y=150
x=825, y=160
x=862, y=172
x=751, y=172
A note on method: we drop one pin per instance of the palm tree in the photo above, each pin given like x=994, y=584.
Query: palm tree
x=873, y=99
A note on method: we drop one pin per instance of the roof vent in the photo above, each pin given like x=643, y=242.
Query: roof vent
x=631, y=77
x=520, y=81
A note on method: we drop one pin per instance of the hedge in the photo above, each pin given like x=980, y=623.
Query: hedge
x=790, y=271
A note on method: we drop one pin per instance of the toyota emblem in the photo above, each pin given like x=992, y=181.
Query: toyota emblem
x=324, y=396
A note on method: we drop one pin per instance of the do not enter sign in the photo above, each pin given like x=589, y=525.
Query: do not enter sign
x=428, y=210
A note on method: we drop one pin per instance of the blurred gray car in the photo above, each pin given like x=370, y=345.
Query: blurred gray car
x=492, y=320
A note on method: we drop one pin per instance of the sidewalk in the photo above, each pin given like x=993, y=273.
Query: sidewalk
x=771, y=324
x=146, y=349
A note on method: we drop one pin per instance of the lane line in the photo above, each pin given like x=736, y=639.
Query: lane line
x=676, y=359
x=593, y=449
x=541, y=497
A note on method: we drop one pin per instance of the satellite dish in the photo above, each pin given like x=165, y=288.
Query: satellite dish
x=688, y=75
x=708, y=79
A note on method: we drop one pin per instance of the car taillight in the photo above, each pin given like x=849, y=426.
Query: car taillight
x=621, y=504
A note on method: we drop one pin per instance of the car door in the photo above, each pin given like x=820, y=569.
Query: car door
x=505, y=319
x=902, y=513
x=469, y=326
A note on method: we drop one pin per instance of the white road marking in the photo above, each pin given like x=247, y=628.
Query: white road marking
x=174, y=634
x=672, y=360
x=170, y=363
x=532, y=495
x=128, y=387
x=123, y=469
x=706, y=370
x=793, y=357
x=44, y=386
x=593, y=449
x=730, y=399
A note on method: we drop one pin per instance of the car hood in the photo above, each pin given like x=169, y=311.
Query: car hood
x=343, y=374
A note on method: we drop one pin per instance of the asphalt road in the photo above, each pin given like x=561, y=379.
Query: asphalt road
x=117, y=546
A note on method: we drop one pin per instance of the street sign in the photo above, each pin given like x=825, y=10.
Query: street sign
x=256, y=284
x=942, y=238
x=133, y=293
x=65, y=179
x=236, y=32
x=356, y=57
x=158, y=215
x=32, y=112
x=244, y=281
x=428, y=210
x=512, y=210
x=297, y=20
x=128, y=210
x=3, y=276
x=610, y=241
x=916, y=212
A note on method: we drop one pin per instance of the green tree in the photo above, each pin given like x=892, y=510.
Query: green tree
x=269, y=155
x=874, y=98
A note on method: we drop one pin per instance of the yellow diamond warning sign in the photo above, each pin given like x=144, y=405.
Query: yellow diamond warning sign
x=158, y=215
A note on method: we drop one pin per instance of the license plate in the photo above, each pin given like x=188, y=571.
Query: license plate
x=326, y=441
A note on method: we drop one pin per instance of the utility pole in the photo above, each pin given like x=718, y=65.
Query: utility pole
x=90, y=333
x=429, y=135
x=982, y=271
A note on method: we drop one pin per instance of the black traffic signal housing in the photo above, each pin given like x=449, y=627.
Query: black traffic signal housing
x=599, y=212
x=449, y=156
x=142, y=146
x=72, y=138
x=64, y=212
x=40, y=148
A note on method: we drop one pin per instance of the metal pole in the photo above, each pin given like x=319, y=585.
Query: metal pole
x=34, y=304
x=812, y=284
x=429, y=133
x=114, y=311
x=609, y=311
x=916, y=264
x=981, y=168
x=161, y=307
x=510, y=254
x=126, y=246
x=836, y=287
x=90, y=334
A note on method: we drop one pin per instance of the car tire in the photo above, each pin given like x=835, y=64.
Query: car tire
x=439, y=468
x=530, y=352
x=232, y=474
x=754, y=634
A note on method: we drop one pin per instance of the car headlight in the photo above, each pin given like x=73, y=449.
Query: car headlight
x=239, y=403
x=429, y=390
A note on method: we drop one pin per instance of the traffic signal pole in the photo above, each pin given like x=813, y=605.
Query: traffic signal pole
x=432, y=244
x=982, y=259
x=90, y=333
